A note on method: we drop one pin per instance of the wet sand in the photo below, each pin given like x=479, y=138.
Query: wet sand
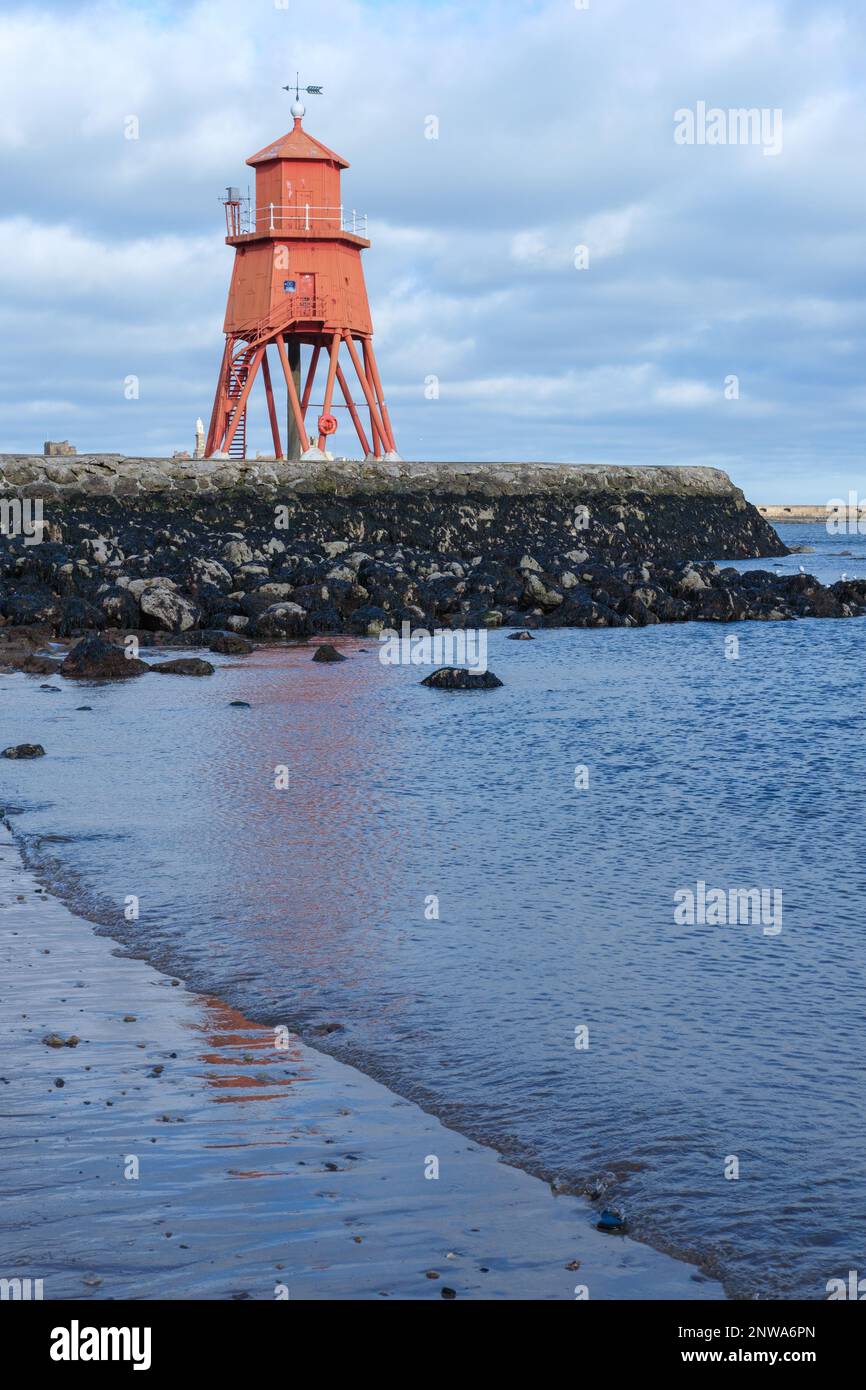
x=263, y=1172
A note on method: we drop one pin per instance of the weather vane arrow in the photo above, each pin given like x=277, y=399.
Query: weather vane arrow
x=297, y=89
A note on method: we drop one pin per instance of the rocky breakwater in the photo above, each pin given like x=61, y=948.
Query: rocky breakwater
x=184, y=550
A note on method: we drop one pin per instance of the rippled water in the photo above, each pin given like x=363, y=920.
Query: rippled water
x=555, y=905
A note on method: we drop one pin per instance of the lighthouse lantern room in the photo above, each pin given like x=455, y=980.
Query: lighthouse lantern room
x=298, y=281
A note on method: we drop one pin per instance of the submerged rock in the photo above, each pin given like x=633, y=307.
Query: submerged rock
x=24, y=750
x=184, y=666
x=230, y=644
x=457, y=678
x=522, y=636
x=34, y=665
x=97, y=660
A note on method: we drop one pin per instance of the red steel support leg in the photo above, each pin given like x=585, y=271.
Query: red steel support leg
x=272, y=410
x=373, y=374
x=378, y=446
x=375, y=421
x=311, y=376
x=329, y=389
x=293, y=394
x=356, y=419
x=242, y=399
x=218, y=412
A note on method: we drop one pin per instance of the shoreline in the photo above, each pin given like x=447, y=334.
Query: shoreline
x=335, y=1203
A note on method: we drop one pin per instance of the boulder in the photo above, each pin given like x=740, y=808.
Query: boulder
x=31, y=606
x=327, y=653
x=78, y=614
x=369, y=621
x=715, y=606
x=94, y=659
x=119, y=607
x=690, y=582
x=167, y=611
x=229, y=644
x=24, y=750
x=639, y=612
x=184, y=666
x=537, y=593
x=39, y=665
x=457, y=678
x=283, y=620
x=236, y=553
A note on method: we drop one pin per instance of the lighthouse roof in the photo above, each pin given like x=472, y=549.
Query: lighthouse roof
x=297, y=144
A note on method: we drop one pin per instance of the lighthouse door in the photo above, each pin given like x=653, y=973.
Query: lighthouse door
x=306, y=300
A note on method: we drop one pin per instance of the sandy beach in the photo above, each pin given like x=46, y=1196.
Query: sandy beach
x=262, y=1171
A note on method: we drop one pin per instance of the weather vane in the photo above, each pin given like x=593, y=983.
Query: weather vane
x=297, y=89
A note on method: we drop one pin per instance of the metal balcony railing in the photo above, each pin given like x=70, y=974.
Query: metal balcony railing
x=303, y=217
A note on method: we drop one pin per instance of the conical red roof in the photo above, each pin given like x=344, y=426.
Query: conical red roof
x=297, y=144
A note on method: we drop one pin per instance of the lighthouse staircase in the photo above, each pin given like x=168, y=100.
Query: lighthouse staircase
x=239, y=370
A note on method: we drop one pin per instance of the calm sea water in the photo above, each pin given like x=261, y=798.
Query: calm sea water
x=555, y=905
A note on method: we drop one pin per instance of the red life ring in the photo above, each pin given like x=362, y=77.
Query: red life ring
x=327, y=424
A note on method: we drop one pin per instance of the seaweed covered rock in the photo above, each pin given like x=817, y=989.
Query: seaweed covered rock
x=183, y=666
x=458, y=678
x=94, y=659
x=24, y=750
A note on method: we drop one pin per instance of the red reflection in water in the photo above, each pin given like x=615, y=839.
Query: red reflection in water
x=316, y=863
x=234, y=1041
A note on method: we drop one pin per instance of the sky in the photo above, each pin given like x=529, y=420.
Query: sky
x=716, y=316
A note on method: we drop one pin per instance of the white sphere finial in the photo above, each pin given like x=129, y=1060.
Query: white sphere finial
x=298, y=108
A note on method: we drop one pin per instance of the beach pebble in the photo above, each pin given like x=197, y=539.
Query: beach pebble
x=611, y=1222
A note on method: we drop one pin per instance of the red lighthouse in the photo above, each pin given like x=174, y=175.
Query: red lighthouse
x=298, y=280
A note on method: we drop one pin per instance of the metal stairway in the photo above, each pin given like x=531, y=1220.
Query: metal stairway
x=238, y=371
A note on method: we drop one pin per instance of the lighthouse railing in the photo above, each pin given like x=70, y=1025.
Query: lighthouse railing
x=306, y=217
